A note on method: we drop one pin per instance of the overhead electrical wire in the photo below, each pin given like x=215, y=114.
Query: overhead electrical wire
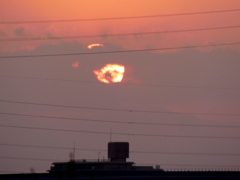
x=114, y=35
x=29, y=159
x=136, y=17
x=203, y=165
x=119, y=122
x=57, y=160
x=119, y=51
x=123, y=134
x=119, y=18
x=122, y=83
x=51, y=147
x=133, y=151
x=112, y=109
x=184, y=153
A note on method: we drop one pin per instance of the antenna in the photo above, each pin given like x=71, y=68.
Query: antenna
x=99, y=155
x=110, y=134
x=74, y=151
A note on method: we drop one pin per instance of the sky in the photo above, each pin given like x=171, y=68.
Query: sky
x=176, y=101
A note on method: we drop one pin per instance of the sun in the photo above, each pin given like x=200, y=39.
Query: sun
x=94, y=45
x=110, y=73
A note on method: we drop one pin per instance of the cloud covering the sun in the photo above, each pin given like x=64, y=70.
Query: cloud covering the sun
x=28, y=10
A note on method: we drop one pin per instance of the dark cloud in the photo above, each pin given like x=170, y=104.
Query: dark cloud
x=3, y=34
x=19, y=32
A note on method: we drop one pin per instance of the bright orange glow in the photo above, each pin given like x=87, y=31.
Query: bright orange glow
x=29, y=10
x=94, y=45
x=111, y=73
x=75, y=64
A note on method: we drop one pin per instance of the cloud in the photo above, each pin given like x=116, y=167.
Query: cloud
x=19, y=32
x=31, y=10
x=75, y=64
x=3, y=34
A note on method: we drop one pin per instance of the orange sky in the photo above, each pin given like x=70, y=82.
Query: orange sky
x=58, y=9
x=188, y=81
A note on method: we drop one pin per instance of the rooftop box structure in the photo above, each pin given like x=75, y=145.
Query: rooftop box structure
x=118, y=151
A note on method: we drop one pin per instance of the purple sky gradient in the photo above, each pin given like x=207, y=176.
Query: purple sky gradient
x=197, y=80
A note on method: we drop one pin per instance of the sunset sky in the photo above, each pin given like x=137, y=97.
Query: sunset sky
x=177, y=102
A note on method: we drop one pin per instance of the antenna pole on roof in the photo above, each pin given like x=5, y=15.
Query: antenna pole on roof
x=74, y=151
x=111, y=135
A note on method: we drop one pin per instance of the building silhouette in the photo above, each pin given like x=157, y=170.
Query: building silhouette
x=117, y=167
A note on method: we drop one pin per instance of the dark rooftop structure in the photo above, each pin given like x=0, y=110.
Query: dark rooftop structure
x=117, y=167
x=118, y=152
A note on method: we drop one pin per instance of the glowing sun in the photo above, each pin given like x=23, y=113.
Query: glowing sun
x=94, y=45
x=110, y=73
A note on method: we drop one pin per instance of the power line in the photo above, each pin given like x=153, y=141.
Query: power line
x=120, y=18
x=118, y=122
x=120, y=51
x=57, y=160
x=199, y=165
x=133, y=152
x=123, y=134
x=114, y=35
x=151, y=85
x=112, y=109
x=203, y=165
x=49, y=147
x=185, y=153
x=29, y=159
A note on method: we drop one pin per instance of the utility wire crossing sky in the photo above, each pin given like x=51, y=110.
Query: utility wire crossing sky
x=176, y=99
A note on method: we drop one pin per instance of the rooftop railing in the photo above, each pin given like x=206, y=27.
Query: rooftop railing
x=93, y=160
